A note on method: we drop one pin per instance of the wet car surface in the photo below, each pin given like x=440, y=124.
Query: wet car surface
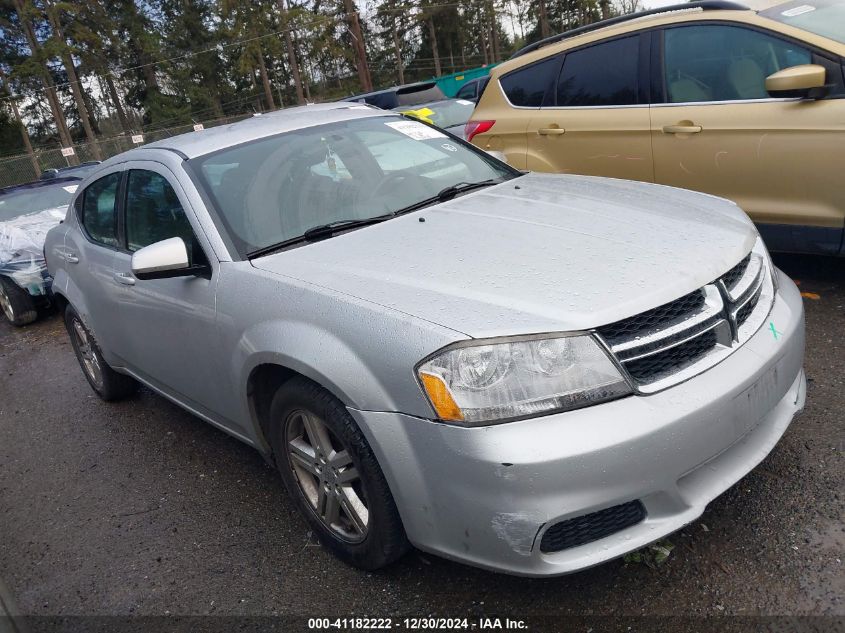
x=140, y=508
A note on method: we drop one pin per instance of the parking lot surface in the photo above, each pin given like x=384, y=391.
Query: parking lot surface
x=140, y=508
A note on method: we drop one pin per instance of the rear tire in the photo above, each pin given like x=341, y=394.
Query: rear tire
x=16, y=304
x=334, y=477
x=108, y=384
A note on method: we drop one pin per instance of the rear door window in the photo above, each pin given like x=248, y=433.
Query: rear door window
x=99, y=214
x=605, y=74
x=527, y=86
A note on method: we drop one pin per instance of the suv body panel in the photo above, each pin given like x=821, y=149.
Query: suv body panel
x=775, y=157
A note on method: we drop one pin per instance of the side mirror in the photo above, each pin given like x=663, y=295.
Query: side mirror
x=805, y=81
x=168, y=258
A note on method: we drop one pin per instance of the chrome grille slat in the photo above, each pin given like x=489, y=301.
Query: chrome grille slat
x=673, y=344
x=675, y=341
x=746, y=283
x=712, y=310
x=626, y=330
x=747, y=306
x=733, y=275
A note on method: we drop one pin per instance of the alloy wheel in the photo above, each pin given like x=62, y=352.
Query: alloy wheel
x=87, y=354
x=6, y=304
x=326, y=476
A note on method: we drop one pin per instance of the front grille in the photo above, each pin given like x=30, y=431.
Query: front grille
x=676, y=340
x=745, y=311
x=735, y=274
x=591, y=527
x=655, y=318
x=654, y=367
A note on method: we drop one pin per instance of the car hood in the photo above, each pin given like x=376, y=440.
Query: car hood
x=536, y=254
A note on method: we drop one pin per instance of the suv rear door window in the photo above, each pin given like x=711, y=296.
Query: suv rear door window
x=527, y=86
x=99, y=216
x=711, y=62
x=602, y=75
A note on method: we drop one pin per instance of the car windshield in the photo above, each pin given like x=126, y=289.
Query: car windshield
x=273, y=190
x=822, y=17
x=23, y=201
x=442, y=113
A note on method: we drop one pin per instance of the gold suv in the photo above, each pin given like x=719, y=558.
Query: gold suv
x=712, y=96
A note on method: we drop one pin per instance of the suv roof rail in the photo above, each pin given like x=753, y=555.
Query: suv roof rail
x=704, y=5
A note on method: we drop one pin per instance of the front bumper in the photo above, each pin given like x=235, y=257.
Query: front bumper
x=485, y=496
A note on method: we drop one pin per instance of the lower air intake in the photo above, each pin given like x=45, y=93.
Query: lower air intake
x=591, y=527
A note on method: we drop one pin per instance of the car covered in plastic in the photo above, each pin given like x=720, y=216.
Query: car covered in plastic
x=27, y=212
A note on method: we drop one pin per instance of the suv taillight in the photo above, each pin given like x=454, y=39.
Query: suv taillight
x=476, y=127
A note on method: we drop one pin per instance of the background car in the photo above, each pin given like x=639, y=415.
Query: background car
x=473, y=89
x=27, y=213
x=405, y=95
x=709, y=96
x=78, y=171
x=448, y=114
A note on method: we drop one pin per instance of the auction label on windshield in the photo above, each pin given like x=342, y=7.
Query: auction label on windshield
x=416, y=131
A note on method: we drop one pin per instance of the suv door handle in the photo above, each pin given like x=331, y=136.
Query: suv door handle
x=71, y=258
x=682, y=128
x=551, y=131
x=124, y=278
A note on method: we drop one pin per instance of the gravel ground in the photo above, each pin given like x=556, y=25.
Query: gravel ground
x=140, y=508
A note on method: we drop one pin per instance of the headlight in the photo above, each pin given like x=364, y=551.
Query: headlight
x=504, y=379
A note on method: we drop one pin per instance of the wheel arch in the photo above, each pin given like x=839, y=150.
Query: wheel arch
x=264, y=379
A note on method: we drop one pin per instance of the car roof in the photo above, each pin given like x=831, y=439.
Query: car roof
x=193, y=144
x=659, y=12
x=40, y=184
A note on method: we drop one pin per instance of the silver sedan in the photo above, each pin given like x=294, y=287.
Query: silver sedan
x=529, y=373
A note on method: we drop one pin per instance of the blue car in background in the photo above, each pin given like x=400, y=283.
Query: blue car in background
x=27, y=212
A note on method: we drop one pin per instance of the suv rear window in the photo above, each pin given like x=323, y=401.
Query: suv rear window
x=527, y=86
x=601, y=75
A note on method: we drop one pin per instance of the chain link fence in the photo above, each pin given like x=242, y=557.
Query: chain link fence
x=15, y=170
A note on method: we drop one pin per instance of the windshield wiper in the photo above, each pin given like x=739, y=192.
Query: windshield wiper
x=320, y=232
x=327, y=230
x=448, y=193
x=323, y=231
x=462, y=187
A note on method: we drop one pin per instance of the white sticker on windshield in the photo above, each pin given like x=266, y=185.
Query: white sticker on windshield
x=465, y=102
x=416, y=131
x=70, y=188
x=791, y=13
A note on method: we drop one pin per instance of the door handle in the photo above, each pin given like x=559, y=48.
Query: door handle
x=71, y=258
x=551, y=131
x=682, y=128
x=124, y=278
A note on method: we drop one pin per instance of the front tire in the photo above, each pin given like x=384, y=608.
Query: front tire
x=333, y=476
x=16, y=304
x=108, y=384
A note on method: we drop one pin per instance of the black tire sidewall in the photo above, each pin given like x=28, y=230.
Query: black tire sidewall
x=115, y=386
x=385, y=540
x=23, y=304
